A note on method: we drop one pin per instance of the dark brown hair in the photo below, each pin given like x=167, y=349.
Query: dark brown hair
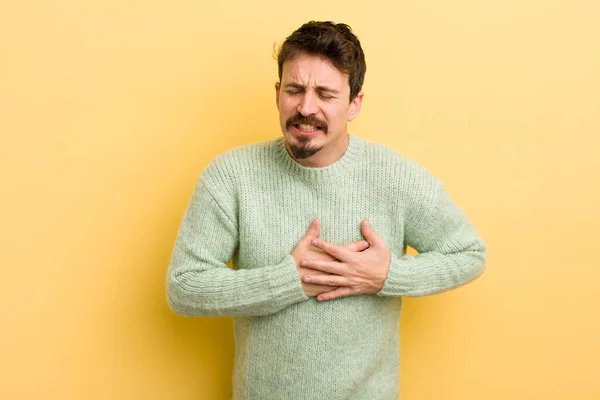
x=334, y=42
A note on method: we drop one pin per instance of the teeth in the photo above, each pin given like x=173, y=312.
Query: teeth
x=307, y=127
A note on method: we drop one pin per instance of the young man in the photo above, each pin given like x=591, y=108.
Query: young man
x=317, y=312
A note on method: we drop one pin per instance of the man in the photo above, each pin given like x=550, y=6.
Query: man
x=317, y=311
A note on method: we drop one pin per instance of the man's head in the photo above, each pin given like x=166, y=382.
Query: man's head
x=321, y=72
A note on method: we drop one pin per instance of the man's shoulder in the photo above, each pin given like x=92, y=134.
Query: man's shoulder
x=245, y=151
x=382, y=152
x=387, y=158
x=406, y=178
x=238, y=159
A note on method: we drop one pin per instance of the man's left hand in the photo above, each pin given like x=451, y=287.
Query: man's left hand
x=356, y=272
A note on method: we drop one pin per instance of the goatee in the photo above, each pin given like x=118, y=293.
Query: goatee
x=302, y=149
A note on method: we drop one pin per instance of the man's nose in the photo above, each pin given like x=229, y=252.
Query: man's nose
x=308, y=105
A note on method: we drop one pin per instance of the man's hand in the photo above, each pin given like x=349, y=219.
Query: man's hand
x=357, y=272
x=305, y=251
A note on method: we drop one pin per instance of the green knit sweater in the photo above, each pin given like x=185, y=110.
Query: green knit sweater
x=252, y=205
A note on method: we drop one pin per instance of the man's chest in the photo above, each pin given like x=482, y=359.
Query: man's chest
x=270, y=223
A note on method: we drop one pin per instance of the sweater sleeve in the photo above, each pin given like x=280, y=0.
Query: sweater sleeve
x=451, y=253
x=199, y=283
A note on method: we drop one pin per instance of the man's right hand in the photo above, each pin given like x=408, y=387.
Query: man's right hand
x=304, y=250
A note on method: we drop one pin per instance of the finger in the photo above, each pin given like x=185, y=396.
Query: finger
x=333, y=250
x=314, y=290
x=369, y=233
x=357, y=246
x=326, y=280
x=335, y=294
x=313, y=232
x=331, y=267
x=316, y=254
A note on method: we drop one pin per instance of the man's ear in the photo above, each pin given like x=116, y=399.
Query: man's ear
x=277, y=86
x=355, y=106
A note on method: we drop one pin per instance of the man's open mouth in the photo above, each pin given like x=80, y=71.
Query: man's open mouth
x=307, y=127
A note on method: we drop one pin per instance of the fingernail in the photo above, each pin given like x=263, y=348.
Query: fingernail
x=367, y=223
x=304, y=262
x=314, y=242
x=307, y=279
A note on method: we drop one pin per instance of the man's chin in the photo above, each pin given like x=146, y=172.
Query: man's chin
x=302, y=153
x=301, y=148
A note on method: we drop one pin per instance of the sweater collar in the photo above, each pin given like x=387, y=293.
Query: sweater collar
x=352, y=156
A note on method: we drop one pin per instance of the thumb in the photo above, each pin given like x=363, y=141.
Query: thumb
x=313, y=231
x=369, y=233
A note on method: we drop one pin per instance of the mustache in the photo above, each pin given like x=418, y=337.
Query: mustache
x=301, y=119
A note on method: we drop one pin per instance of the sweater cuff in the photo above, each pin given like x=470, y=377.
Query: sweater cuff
x=285, y=283
x=396, y=282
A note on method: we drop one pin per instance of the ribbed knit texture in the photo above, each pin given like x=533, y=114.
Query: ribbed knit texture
x=252, y=204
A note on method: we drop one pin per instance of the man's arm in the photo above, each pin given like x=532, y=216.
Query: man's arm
x=451, y=253
x=199, y=283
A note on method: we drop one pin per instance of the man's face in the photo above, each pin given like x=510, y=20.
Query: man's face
x=313, y=99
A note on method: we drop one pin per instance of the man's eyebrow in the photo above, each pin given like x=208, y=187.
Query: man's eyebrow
x=327, y=89
x=296, y=85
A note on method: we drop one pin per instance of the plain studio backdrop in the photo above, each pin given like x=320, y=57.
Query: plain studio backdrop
x=109, y=110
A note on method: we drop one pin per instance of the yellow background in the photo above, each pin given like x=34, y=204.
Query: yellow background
x=109, y=110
